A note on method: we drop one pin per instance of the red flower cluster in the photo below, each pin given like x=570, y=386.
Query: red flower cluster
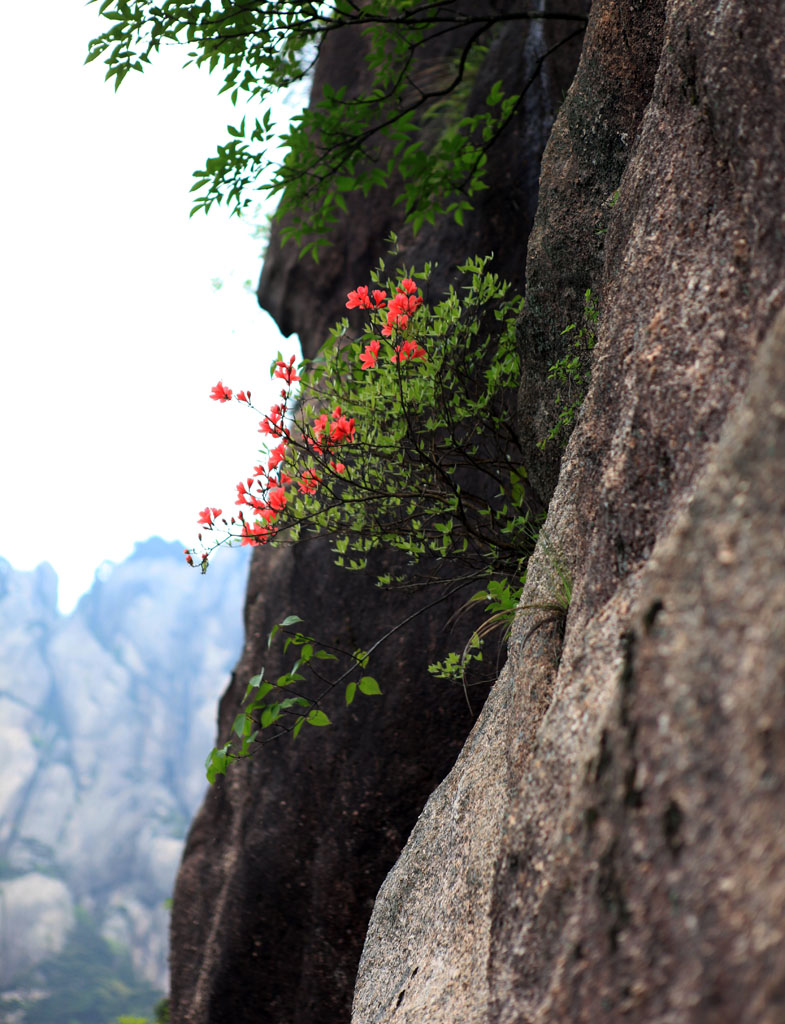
x=255, y=533
x=265, y=492
x=271, y=424
x=286, y=371
x=268, y=500
x=403, y=305
x=341, y=429
x=277, y=498
x=409, y=350
x=309, y=482
x=369, y=356
x=208, y=516
x=359, y=299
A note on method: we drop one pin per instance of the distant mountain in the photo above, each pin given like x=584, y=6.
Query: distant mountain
x=106, y=716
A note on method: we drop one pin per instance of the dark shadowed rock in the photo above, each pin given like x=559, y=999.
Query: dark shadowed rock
x=582, y=168
x=308, y=298
x=610, y=845
x=287, y=853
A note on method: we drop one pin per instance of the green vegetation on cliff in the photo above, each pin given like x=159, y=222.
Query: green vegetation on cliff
x=432, y=470
x=365, y=135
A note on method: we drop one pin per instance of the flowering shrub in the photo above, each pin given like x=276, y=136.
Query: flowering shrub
x=402, y=436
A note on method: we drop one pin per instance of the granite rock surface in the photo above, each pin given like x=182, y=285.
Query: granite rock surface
x=609, y=845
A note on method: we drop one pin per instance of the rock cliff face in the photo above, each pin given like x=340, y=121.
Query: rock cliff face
x=105, y=718
x=609, y=844
x=287, y=854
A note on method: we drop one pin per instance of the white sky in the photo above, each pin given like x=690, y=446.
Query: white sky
x=111, y=331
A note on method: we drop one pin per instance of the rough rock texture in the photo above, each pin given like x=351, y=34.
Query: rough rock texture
x=586, y=155
x=287, y=853
x=609, y=845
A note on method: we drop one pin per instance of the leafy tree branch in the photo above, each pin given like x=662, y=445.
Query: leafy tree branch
x=348, y=139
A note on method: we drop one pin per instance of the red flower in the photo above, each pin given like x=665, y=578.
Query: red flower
x=241, y=491
x=286, y=372
x=255, y=533
x=208, y=515
x=277, y=455
x=408, y=285
x=379, y=298
x=409, y=350
x=220, y=393
x=277, y=498
x=368, y=357
x=271, y=423
x=241, y=396
x=406, y=303
x=395, y=322
x=309, y=482
x=338, y=467
x=342, y=428
x=359, y=299
x=188, y=557
x=260, y=509
x=319, y=426
x=400, y=309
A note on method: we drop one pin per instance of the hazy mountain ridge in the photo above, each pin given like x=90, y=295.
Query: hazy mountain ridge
x=106, y=716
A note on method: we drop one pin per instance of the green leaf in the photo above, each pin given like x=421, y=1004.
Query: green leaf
x=369, y=686
x=270, y=715
x=317, y=717
x=351, y=690
x=216, y=762
x=361, y=657
x=259, y=696
x=297, y=726
x=290, y=620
